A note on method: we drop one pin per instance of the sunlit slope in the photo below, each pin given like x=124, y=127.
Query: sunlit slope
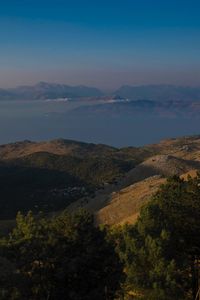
x=124, y=206
x=40, y=175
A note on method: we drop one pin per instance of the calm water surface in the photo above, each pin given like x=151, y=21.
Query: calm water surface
x=42, y=120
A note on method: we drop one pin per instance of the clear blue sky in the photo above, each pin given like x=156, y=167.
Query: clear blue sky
x=100, y=43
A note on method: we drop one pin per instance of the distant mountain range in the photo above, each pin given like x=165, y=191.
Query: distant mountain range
x=160, y=92
x=43, y=91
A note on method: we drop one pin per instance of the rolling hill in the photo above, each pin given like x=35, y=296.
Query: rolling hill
x=164, y=165
x=58, y=174
x=50, y=175
x=124, y=205
x=121, y=202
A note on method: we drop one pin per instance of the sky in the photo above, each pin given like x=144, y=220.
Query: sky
x=100, y=43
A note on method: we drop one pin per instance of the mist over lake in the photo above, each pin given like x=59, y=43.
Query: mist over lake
x=43, y=120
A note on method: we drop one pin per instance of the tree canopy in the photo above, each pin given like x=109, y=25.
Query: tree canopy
x=67, y=257
x=63, y=258
x=162, y=250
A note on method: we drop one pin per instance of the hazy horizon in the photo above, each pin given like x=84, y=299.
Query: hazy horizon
x=103, y=89
x=104, y=45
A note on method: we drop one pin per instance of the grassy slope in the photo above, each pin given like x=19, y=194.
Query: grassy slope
x=29, y=170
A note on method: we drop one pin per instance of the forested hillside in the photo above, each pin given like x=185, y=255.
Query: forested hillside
x=155, y=258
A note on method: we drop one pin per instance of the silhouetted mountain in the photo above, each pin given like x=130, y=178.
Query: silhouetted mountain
x=159, y=92
x=44, y=90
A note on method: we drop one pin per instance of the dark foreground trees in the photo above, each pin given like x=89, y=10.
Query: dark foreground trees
x=161, y=252
x=65, y=258
x=68, y=258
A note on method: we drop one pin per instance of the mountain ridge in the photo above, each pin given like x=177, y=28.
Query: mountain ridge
x=45, y=90
x=162, y=92
x=66, y=174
